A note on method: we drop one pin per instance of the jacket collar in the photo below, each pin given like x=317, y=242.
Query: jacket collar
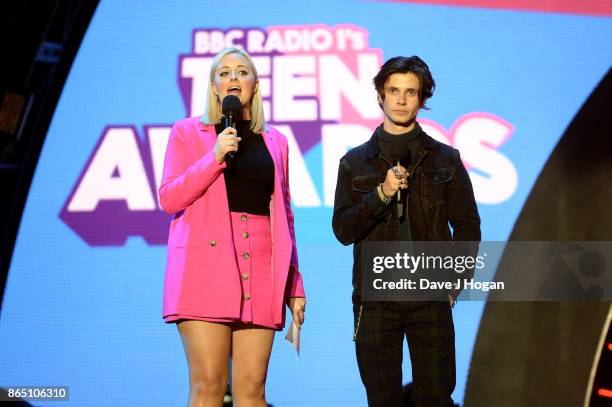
x=426, y=143
x=207, y=127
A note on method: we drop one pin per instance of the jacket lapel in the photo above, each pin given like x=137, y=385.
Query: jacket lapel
x=273, y=149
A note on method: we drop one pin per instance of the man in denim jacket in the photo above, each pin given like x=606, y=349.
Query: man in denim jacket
x=437, y=192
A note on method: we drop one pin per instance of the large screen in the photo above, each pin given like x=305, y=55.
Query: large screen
x=82, y=306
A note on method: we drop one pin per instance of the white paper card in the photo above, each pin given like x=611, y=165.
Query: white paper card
x=293, y=336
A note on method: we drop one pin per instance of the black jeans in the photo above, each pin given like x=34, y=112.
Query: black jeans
x=379, y=335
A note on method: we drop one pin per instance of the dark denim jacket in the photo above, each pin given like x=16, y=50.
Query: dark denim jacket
x=440, y=194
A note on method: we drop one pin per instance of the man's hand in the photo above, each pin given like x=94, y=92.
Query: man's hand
x=397, y=178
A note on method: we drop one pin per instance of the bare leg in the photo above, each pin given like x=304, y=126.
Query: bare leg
x=207, y=347
x=251, y=349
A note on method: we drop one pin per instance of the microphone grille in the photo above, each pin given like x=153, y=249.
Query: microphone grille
x=231, y=103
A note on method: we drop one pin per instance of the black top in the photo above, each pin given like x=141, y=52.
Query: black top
x=249, y=177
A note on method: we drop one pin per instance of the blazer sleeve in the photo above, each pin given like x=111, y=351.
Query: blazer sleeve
x=184, y=181
x=295, y=284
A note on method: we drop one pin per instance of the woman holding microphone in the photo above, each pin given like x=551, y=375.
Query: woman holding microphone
x=232, y=260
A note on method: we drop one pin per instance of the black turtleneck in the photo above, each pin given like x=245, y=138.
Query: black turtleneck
x=249, y=180
x=402, y=146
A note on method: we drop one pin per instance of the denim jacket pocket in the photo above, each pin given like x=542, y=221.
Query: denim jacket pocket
x=365, y=183
x=433, y=186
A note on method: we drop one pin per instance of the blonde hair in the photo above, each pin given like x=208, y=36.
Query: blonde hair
x=213, y=114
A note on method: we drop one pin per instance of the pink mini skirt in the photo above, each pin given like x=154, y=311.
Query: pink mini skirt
x=253, y=250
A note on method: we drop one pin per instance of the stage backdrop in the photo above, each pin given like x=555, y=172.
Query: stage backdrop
x=82, y=306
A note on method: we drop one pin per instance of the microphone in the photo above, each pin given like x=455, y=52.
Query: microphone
x=231, y=108
x=399, y=157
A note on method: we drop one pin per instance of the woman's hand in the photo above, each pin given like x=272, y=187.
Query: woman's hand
x=297, y=306
x=227, y=141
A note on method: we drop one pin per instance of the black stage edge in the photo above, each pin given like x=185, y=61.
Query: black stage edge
x=546, y=353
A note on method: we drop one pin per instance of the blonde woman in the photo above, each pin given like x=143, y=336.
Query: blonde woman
x=232, y=260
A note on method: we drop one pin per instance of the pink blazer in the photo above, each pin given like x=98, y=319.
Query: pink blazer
x=202, y=277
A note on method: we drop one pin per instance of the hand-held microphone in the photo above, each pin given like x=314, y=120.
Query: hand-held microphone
x=231, y=108
x=405, y=158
